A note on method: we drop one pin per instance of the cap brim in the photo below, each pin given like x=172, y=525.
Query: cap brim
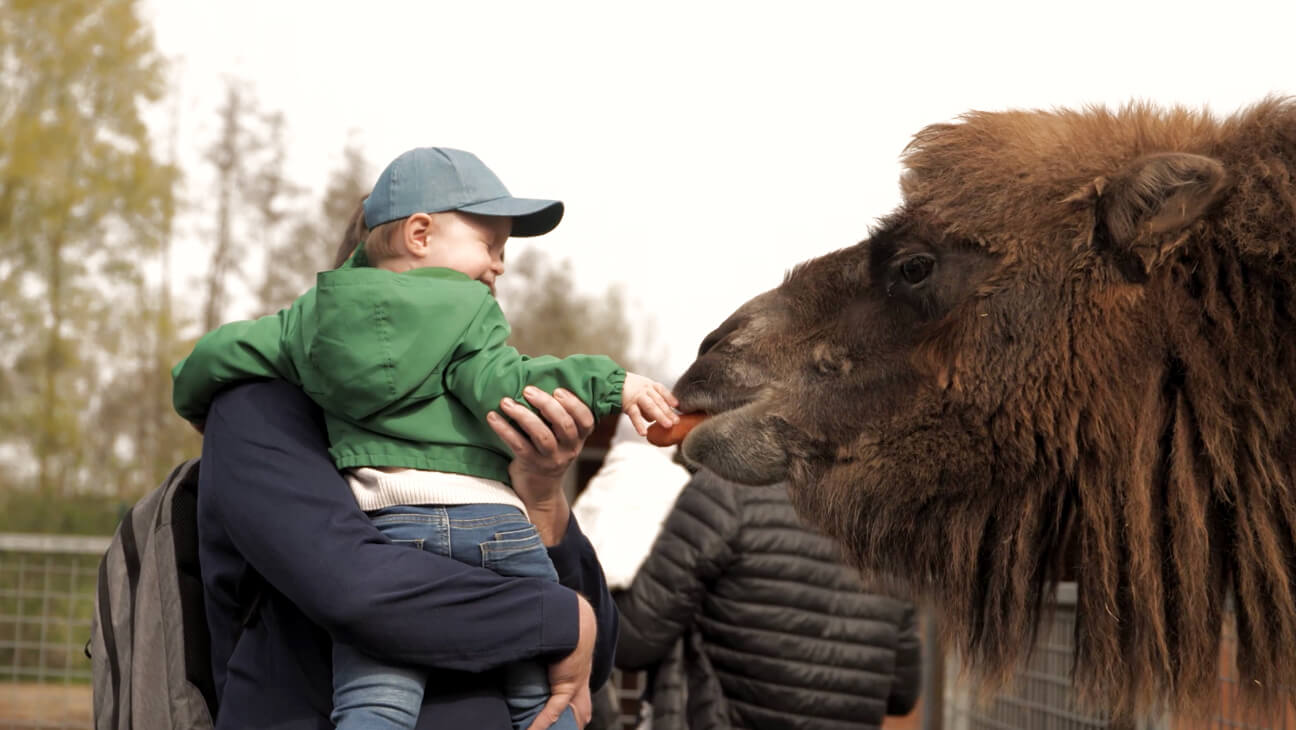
x=531, y=217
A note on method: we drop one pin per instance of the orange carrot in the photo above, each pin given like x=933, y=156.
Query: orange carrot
x=659, y=436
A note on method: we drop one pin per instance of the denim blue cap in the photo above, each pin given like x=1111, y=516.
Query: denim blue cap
x=437, y=179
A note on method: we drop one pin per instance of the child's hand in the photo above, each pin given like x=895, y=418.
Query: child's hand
x=646, y=400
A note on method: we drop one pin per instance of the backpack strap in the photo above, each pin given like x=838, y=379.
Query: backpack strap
x=131, y=553
x=109, y=639
x=149, y=600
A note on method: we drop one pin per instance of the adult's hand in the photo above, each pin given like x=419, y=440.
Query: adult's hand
x=569, y=678
x=543, y=445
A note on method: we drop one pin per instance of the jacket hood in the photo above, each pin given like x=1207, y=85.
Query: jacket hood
x=360, y=340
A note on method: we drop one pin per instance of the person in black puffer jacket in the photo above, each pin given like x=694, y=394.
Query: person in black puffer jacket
x=746, y=618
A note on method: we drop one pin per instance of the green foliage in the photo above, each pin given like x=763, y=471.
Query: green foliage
x=83, y=200
x=32, y=511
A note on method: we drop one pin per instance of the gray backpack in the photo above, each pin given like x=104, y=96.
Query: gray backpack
x=149, y=646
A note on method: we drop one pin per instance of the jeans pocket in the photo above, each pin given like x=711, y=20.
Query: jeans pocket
x=415, y=543
x=519, y=553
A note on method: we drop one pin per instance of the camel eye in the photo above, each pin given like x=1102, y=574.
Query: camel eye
x=916, y=269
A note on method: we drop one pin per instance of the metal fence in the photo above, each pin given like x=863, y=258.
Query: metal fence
x=1041, y=696
x=47, y=586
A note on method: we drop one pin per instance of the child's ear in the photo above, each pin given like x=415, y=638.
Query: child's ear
x=415, y=233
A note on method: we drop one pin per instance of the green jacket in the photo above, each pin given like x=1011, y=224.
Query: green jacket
x=405, y=366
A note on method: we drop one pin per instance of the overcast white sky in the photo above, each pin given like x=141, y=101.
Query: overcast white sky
x=702, y=148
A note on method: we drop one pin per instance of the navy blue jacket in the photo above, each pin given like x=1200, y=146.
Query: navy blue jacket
x=271, y=501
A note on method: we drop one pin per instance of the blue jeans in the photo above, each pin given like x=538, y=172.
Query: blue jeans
x=368, y=693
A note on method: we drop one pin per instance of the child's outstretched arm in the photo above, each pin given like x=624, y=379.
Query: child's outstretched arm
x=229, y=354
x=484, y=369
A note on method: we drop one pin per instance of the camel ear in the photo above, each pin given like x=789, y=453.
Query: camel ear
x=1139, y=211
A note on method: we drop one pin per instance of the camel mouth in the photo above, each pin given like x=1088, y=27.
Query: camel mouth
x=738, y=444
x=713, y=404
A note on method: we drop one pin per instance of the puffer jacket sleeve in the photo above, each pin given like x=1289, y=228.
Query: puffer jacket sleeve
x=908, y=669
x=694, y=547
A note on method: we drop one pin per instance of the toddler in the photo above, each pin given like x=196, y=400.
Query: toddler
x=404, y=348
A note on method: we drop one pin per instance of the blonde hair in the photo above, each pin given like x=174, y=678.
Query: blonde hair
x=383, y=242
x=378, y=243
x=354, y=233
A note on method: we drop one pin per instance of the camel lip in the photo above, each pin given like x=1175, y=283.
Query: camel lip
x=728, y=444
x=712, y=404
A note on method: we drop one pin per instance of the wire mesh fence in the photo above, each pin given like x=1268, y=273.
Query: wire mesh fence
x=47, y=586
x=1041, y=696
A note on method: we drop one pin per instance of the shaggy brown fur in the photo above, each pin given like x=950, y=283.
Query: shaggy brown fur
x=1070, y=354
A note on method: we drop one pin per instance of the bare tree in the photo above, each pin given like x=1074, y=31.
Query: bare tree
x=550, y=316
x=293, y=260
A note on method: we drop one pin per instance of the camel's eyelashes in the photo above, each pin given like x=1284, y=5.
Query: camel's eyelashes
x=915, y=269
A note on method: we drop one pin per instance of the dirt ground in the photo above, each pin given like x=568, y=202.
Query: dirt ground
x=44, y=705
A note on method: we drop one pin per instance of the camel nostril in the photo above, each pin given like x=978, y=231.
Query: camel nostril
x=708, y=342
x=719, y=334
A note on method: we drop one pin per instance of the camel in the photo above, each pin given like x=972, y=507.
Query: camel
x=1069, y=354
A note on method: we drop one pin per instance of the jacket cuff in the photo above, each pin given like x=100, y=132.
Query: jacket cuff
x=560, y=620
x=615, y=386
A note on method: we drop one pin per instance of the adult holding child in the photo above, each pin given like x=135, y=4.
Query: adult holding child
x=403, y=351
